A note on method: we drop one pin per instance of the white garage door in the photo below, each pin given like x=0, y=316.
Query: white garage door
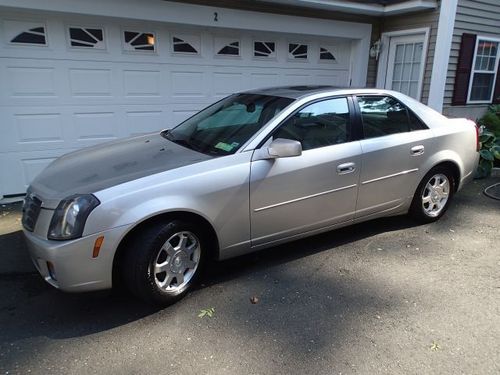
x=68, y=82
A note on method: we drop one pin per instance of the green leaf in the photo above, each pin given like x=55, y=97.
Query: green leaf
x=484, y=168
x=485, y=136
x=496, y=151
x=207, y=312
x=487, y=155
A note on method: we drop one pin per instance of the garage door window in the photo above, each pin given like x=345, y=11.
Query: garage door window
x=227, y=47
x=138, y=41
x=297, y=51
x=186, y=44
x=31, y=33
x=326, y=55
x=264, y=49
x=83, y=37
x=320, y=124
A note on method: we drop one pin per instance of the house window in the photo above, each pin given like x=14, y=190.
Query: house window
x=297, y=51
x=189, y=44
x=264, y=49
x=84, y=37
x=137, y=41
x=326, y=55
x=31, y=33
x=484, y=70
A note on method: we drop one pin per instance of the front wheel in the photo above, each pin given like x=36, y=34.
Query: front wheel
x=163, y=262
x=433, y=195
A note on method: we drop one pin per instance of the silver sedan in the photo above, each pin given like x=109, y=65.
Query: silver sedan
x=251, y=171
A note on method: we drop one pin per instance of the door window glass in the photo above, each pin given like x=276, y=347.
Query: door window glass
x=319, y=124
x=406, y=73
x=383, y=115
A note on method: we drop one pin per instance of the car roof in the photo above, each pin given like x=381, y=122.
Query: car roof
x=297, y=92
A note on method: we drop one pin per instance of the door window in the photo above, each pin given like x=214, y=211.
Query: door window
x=319, y=124
x=384, y=115
x=406, y=73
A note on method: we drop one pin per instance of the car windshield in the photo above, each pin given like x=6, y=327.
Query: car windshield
x=226, y=125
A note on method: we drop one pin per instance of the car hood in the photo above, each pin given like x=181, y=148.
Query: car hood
x=99, y=167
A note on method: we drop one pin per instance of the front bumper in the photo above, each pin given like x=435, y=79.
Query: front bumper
x=73, y=267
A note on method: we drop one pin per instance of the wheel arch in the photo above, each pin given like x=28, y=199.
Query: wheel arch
x=164, y=218
x=454, y=169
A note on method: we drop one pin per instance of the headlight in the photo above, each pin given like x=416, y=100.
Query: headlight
x=69, y=217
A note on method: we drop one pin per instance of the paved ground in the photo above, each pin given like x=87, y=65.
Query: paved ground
x=381, y=297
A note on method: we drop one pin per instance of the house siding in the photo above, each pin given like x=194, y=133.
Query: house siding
x=414, y=21
x=475, y=17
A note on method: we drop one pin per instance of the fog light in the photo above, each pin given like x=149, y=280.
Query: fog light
x=52, y=271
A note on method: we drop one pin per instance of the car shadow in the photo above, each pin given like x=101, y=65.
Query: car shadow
x=31, y=308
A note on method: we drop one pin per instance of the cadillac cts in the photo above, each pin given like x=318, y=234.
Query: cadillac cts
x=253, y=170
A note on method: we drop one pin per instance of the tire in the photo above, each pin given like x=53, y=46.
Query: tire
x=433, y=195
x=163, y=262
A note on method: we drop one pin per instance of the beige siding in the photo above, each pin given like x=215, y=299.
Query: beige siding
x=415, y=21
x=481, y=17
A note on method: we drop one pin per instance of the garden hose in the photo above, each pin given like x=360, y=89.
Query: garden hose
x=493, y=191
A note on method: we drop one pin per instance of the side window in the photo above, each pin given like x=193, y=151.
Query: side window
x=382, y=115
x=415, y=122
x=319, y=124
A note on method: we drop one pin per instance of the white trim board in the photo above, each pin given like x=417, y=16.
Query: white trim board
x=384, y=55
x=446, y=24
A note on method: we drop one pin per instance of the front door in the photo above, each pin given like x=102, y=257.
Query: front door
x=405, y=65
x=317, y=189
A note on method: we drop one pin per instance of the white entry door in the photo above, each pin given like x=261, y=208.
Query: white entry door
x=405, y=64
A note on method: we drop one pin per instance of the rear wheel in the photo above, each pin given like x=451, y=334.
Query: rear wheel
x=433, y=195
x=162, y=263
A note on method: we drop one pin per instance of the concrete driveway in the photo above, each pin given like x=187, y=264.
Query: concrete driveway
x=386, y=296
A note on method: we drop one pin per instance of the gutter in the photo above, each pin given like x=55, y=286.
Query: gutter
x=362, y=8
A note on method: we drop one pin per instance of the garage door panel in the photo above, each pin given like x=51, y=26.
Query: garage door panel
x=226, y=83
x=31, y=81
x=188, y=84
x=94, y=127
x=146, y=121
x=263, y=80
x=26, y=165
x=90, y=82
x=142, y=83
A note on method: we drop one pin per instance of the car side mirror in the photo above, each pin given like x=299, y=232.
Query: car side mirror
x=284, y=148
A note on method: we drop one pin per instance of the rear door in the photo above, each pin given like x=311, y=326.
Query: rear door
x=290, y=196
x=394, y=146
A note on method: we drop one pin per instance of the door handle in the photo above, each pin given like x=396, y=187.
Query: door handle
x=346, y=168
x=417, y=150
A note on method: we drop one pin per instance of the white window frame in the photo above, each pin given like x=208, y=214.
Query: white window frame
x=473, y=70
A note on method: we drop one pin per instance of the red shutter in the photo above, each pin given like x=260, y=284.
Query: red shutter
x=496, y=93
x=464, y=67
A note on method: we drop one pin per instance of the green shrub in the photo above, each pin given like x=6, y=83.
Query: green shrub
x=491, y=120
x=490, y=150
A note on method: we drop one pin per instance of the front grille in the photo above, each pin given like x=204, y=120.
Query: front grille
x=31, y=210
